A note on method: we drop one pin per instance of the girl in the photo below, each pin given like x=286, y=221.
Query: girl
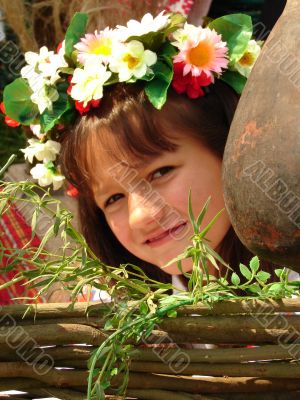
x=152, y=120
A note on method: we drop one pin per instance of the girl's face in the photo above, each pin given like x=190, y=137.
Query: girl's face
x=146, y=205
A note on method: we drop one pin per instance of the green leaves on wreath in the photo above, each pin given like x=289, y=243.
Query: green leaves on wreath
x=157, y=89
x=18, y=104
x=62, y=106
x=235, y=80
x=75, y=32
x=236, y=30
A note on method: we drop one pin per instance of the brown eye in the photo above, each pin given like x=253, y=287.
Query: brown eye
x=112, y=199
x=161, y=172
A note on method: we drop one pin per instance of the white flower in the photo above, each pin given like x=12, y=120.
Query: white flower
x=89, y=81
x=49, y=68
x=46, y=176
x=41, y=151
x=147, y=24
x=44, y=97
x=188, y=32
x=36, y=130
x=132, y=61
x=245, y=64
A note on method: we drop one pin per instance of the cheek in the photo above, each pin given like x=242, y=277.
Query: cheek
x=119, y=227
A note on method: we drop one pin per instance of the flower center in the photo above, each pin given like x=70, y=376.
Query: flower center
x=102, y=47
x=247, y=59
x=201, y=55
x=131, y=61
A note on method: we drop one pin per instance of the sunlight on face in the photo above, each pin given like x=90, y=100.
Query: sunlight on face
x=146, y=206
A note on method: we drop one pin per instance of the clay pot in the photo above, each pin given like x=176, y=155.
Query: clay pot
x=261, y=172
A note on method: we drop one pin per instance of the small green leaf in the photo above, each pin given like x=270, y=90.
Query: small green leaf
x=202, y=213
x=254, y=264
x=144, y=308
x=157, y=89
x=263, y=276
x=175, y=22
x=235, y=279
x=172, y=314
x=279, y=272
x=17, y=102
x=75, y=32
x=245, y=271
x=254, y=288
x=236, y=30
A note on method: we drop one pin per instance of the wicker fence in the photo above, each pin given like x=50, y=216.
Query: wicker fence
x=254, y=352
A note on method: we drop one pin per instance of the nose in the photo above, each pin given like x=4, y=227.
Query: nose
x=143, y=211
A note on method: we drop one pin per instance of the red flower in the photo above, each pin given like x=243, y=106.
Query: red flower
x=189, y=84
x=72, y=191
x=84, y=109
x=59, y=47
x=9, y=121
x=2, y=107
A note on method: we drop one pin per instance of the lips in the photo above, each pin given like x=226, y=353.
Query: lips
x=160, y=236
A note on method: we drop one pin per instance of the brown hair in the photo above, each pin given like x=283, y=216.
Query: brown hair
x=127, y=123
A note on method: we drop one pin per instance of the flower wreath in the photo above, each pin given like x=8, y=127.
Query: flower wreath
x=161, y=51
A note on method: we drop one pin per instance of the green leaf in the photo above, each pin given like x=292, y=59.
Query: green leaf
x=245, y=271
x=276, y=289
x=254, y=264
x=202, y=213
x=191, y=213
x=157, y=89
x=18, y=104
x=151, y=40
x=236, y=30
x=235, y=279
x=235, y=80
x=172, y=313
x=50, y=118
x=144, y=308
x=75, y=32
x=263, y=276
x=254, y=288
x=279, y=272
x=176, y=21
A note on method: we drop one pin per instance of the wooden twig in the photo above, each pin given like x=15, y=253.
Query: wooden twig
x=52, y=334
x=261, y=370
x=164, y=394
x=243, y=307
x=51, y=377
x=55, y=310
x=211, y=385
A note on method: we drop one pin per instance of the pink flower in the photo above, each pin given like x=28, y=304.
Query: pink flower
x=189, y=84
x=202, y=51
x=96, y=45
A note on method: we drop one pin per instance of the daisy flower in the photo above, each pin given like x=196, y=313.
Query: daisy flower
x=47, y=175
x=132, y=60
x=202, y=52
x=99, y=45
x=147, y=24
x=245, y=64
x=41, y=151
x=87, y=82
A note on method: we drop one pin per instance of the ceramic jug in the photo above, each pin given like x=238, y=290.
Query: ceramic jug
x=261, y=169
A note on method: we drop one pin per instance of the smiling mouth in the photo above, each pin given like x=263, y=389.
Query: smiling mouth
x=166, y=235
